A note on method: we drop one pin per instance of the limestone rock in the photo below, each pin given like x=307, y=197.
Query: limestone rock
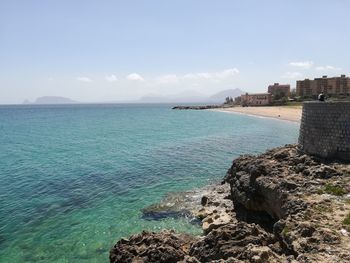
x=280, y=206
x=150, y=247
x=232, y=241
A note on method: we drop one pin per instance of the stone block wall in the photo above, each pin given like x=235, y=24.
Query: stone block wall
x=325, y=130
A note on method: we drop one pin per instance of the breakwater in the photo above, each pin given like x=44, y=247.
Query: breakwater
x=199, y=107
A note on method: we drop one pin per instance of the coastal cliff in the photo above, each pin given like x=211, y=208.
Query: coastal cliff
x=280, y=206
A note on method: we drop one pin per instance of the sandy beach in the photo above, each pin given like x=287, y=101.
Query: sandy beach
x=288, y=113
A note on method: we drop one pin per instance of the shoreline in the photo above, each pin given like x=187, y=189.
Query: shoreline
x=285, y=113
x=276, y=218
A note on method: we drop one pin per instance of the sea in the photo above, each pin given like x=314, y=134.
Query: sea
x=75, y=178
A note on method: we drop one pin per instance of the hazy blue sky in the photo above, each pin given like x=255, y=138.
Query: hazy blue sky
x=118, y=50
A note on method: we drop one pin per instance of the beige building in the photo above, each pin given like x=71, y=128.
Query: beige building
x=279, y=90
x=258, y=99
x=329, y=86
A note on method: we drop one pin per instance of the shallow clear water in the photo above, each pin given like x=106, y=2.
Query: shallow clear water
x=74, y=178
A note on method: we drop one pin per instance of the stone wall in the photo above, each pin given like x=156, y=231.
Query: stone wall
x=325, y=130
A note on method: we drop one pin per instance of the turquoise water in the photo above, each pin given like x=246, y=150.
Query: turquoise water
x=74, y=178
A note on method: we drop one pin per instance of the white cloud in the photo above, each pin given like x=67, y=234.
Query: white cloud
x=325, y=68
x=165, y=79
x=84, y=79
x=302, y=64
x=213, y=75
x=135, y=77
x=291, y=75
x=111, y=78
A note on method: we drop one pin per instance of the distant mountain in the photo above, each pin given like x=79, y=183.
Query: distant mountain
x=51, y=100
x=187, y=96
x=220, y=96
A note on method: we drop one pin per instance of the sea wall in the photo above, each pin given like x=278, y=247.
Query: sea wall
x=325, y=130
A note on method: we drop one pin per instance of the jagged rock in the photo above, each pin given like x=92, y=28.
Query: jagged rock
x=261, y=254
x=230, y=241
x=217, y=208
x=216, y=219
x=189, y=259
x=280, y=206
x=306, y=229
x=323, y=171
x=259, y=183
x=281, y=182
x=164, y=247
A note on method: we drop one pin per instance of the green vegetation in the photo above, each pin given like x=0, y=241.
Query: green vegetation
x=285, y=231
x=346, y=220
x=229, y=100
x=334, y=190
x=280, y=95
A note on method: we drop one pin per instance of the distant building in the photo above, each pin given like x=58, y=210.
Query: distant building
x=258, y=99
x=329, y=86
x=279, y=90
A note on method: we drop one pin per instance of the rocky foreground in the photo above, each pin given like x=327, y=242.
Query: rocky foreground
x=281, y=206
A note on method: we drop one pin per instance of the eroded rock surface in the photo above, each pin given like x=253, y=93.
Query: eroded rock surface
x=152, y=247
x=217, y=208
x=280, y=206
x=231, y=241
x=304, y=198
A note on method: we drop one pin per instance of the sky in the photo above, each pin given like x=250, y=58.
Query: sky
x=101, y=51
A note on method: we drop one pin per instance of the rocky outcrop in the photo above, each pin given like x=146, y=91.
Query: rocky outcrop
x=234, y=241
x=280, y=206
x=152, y=247
x=304, y=198
x=217, y=209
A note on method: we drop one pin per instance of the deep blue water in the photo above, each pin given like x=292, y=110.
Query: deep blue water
x=74, y=178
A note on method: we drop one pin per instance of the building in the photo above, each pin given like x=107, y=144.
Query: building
x=329, y=86
x=279, y=90
x=258, y=99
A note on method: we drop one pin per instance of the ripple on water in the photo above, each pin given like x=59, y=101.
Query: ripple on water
x=76, y=178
